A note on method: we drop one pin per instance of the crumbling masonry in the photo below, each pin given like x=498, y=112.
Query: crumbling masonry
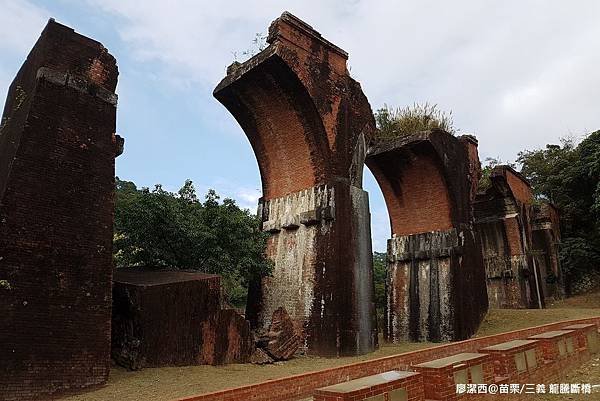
x=520, y=242
x=57, y=154
x=309, y=124
x=503, y=217
x=435, y=283
x=174, y=318
x=546, y=237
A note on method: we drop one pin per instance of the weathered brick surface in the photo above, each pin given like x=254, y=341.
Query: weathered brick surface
x=429, y=181
x=302, y=386
x=282, y=339
x=504, y=223
x=57, y=151
x=308, y=123
x=546, y=238
x=417, y=196
x=173, y=318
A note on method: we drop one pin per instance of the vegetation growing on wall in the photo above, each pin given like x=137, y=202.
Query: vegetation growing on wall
x=157, y=228
x=398, y=122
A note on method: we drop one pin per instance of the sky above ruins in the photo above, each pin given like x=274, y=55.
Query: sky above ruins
x=518, y=74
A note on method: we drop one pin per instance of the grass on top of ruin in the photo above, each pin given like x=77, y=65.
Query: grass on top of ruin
x=167, y=384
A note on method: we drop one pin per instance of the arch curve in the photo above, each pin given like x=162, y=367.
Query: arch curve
x=282, y=123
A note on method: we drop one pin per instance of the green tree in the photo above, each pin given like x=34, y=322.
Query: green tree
x=569, y=176
x=379, y=272
x=157, y=228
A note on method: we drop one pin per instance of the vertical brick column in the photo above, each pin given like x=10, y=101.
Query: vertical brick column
x=428, y=180
x=309, y=123
x=57, y=154
x=503, y=217
x=546, y=237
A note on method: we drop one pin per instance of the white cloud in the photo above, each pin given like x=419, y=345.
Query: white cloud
x=248, y=197
x=20, y=24
x=518, y=74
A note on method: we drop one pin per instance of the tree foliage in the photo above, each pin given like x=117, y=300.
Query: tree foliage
x=379, y=272
x=569, y=176
x=394, y=123
x=157, y=228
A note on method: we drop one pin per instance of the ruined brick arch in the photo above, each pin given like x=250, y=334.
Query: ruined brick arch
x=429, y=180
x=308, y=123
x=283, y=126
x=416, y=190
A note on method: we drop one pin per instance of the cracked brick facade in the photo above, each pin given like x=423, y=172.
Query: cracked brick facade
x=57, y=155
x=308, y=123
x=435, y=283
x=504, y=214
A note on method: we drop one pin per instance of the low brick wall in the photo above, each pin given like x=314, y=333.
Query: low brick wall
x=303, y=385
x=442, y=375
x=389, y=386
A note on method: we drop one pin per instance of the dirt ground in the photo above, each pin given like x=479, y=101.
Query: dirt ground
x=166, y=384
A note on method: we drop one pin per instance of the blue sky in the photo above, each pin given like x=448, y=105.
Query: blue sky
x=517, y=74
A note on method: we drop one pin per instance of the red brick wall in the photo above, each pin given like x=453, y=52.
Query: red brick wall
x=440, y=384
x=56, y=218
x=505, y=365
x=287, y=160
x=413, y=386
x=300, y=109
x=513, y=236
x=418, y=201
x=302, y=386
x=520, y=188
x=472, y=147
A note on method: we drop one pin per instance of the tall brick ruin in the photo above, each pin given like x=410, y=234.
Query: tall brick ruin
x=435, y=284
x=503, y=216
x=545, y=238
x=308, y=123
x=57, y=155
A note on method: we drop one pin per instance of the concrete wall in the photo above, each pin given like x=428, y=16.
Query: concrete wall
x=312, y=264
x=57, y=151
x=419, y=286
